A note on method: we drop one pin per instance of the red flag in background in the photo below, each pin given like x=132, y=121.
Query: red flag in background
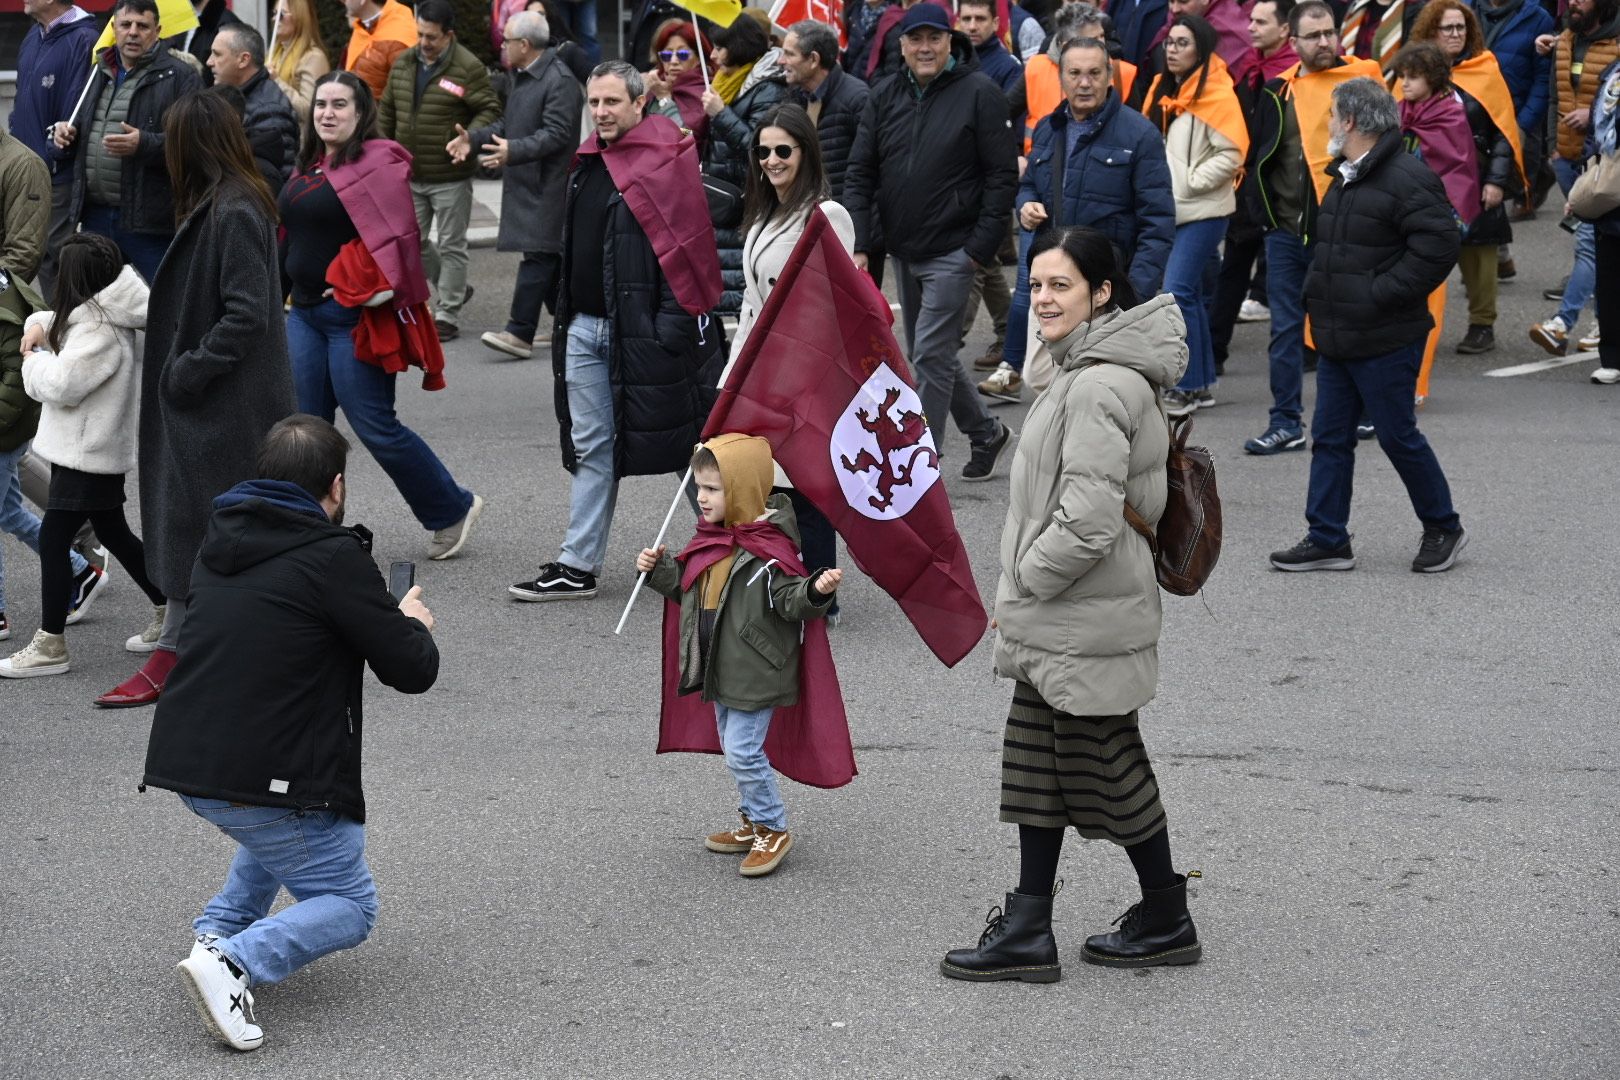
x=821, y=377
x=784, y=13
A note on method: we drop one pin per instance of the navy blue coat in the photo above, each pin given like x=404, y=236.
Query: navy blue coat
x=51, y=70
x=1136, y=23
x=1529, y=76
x=1117, y=182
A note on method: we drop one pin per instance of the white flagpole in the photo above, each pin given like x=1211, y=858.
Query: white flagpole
x=662, y=529
x=697, y=47
x=77, y=105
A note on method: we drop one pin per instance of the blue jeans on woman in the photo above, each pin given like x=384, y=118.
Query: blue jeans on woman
x=17, y=519
x=327, y=375
x=318, y=856
x=1184, y=277
x=1583, y=273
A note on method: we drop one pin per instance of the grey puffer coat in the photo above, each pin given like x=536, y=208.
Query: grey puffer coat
x=1077, y=607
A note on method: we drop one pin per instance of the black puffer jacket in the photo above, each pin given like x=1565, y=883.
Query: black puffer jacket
x=941, y=169
x=272, y=129
x=1384, y=242
x=843, y=100
x=731, y=145
x=665, y=363
x=286, y=610
x=1496, y=166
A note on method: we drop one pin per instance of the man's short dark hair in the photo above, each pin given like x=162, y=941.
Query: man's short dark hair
x=439, y=13
x=1306, y=9
x=1284, y=8
x=243, y=38
x=818, y=38
x=304, y=450
x=138, y=7
x=988, y=5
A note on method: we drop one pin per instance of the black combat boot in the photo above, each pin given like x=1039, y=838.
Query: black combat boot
x=1016, y=944
x=1156, y=931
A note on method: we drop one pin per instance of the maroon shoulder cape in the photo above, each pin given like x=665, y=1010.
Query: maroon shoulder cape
x=808, y=741
x=1445, y=143
x=375, y=189
x=655, y=167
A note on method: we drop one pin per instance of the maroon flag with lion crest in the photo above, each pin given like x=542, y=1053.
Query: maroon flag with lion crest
x=821, y=377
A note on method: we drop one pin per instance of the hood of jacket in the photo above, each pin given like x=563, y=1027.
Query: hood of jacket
x=746, y=474
x=123, y=303
x=768, y=67
x=261, y=519
x=1150, y=339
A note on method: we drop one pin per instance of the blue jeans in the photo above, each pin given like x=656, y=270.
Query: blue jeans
x=742, y=738
x=1012, y=352
x=318, y=856
x=17, y=519
x=327, y=375
x=581, y=20
x=1382, y=389
x=143, y=251
x=587, y=362
x=1185, y=274
x=1583, y=274
x=1287, y=260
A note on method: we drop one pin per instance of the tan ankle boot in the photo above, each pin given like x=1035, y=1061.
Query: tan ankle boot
x=46, y=655
x=732, y=841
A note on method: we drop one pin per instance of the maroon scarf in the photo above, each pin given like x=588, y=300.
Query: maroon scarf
x=375, y=189
x=1445, y=143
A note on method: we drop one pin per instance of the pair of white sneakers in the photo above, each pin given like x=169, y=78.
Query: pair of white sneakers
x=221, y=995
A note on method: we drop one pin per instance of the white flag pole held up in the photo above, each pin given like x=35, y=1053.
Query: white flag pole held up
x=680, y=494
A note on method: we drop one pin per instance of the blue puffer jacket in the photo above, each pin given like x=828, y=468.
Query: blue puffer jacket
x=1529, y=76
x=1117, y=182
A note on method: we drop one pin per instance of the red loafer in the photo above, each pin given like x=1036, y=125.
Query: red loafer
x=142, y=688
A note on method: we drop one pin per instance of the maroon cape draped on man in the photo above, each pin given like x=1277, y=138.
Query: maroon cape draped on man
x=821, y=378
x=809, y=740
x=655, y=167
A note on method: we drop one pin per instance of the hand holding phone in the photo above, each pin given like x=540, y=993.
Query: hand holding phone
x=401, y=576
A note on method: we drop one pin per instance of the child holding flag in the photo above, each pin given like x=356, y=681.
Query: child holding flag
x=737, y=641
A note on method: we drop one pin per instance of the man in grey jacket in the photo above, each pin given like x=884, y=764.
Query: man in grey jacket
x=532, y=145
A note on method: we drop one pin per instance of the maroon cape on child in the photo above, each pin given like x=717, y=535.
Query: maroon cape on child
x=808, y=741
x=1445, y=144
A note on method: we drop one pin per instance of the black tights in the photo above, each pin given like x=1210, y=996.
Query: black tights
x=1039, y=848
x=56, y=531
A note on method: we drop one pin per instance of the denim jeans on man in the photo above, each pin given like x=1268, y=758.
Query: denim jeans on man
x=17, y=519
x=537, y=278
x=1382, y=388
x=318, y=856
x=742, y=738
x=143, y=251
x=1583, y=273
x=327, y=376
x=1287, y=260
x=1018, y=313
x=933, y=296
x=587, y=361
x=580, y=15
x=1185, y=276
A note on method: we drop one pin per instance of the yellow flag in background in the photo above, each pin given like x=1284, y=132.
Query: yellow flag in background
x=174, y=17
x=719, y=12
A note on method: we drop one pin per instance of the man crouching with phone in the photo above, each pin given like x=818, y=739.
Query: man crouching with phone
x=258, y=729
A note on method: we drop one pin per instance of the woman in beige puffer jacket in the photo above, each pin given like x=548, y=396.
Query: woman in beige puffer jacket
x=1077, y=613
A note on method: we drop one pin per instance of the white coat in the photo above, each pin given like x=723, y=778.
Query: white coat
x=91, y=390
x=1203, y=167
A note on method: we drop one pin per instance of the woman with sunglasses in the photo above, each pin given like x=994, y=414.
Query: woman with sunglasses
x=675, y=84
x=786, y=183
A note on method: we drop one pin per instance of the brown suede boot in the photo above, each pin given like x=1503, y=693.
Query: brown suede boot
x=768, y=850
x=732, y=841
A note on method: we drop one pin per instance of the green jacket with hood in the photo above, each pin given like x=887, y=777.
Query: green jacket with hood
x=1077, y=606
x=19, y=413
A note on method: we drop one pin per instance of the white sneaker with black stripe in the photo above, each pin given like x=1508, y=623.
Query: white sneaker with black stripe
x=556, y=582
x=220, y=992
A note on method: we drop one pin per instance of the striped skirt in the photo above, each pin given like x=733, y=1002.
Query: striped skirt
x=1091, y=772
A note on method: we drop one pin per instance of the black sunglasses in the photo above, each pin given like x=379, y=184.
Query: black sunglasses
x=783, y=151
x=682, y=55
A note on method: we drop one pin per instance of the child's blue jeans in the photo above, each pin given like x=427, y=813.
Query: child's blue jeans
x=742, y=737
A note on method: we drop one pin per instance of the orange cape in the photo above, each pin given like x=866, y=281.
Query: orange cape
x=1480, y=77
x=1313, y=99
x=1217, y=106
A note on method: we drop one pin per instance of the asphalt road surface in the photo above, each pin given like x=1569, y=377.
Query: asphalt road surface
x=1401, y=791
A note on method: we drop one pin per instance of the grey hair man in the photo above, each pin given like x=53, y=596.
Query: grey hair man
x=1387, y=237
x=833, y=98
x=236, y=57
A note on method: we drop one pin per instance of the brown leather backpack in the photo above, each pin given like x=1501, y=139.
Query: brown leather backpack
x=1188, y=542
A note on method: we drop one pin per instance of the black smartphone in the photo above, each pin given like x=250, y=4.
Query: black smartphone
x=401, y=576
x=1569, y=223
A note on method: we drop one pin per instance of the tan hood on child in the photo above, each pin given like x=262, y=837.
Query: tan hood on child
x=746, y=473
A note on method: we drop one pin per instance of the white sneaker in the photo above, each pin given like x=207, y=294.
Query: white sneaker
x=46, y=655
x=1004, y=384
x=147, y=640
x=1606, y=376
x=1590, y=342
x=222, y=998
x=1253, y=311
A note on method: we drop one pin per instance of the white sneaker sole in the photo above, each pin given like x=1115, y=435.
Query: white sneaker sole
x=9, y=672
x=1440, y=568
x=466, y=530
x=189, y=980
x=506, y=349
x=139, y=644
x=541, y=598
x=89, y=598
x=1319, y=564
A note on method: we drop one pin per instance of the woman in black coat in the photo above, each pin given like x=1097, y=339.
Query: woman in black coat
x=214, y=376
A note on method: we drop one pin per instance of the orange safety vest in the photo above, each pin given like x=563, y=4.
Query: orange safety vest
x=1043, y=93
x=1124, y=78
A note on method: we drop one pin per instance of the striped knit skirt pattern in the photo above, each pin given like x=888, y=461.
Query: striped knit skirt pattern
x=1091, y=772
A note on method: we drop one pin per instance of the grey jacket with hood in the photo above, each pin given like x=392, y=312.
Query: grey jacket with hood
x=1077, y=606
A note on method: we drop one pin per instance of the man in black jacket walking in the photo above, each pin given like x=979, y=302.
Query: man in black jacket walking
x=1386, y=237
x=259, y=726
x=935, y=160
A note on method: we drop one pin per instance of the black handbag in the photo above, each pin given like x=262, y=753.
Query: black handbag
x=725, y=202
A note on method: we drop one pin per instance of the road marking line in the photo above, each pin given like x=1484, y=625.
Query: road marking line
x=1540, y=365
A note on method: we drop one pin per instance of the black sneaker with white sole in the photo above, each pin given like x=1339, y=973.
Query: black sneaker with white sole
x=556, y=582
x=1308, y=555
x=982, y=465
x=1439, y=550
x=86, y=587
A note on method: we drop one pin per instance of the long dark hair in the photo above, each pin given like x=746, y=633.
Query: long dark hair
x=312, y=149
x=205, y=150
x=1094, y=256
x=809, y=187
x=1205, y=40
x=86, y=263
